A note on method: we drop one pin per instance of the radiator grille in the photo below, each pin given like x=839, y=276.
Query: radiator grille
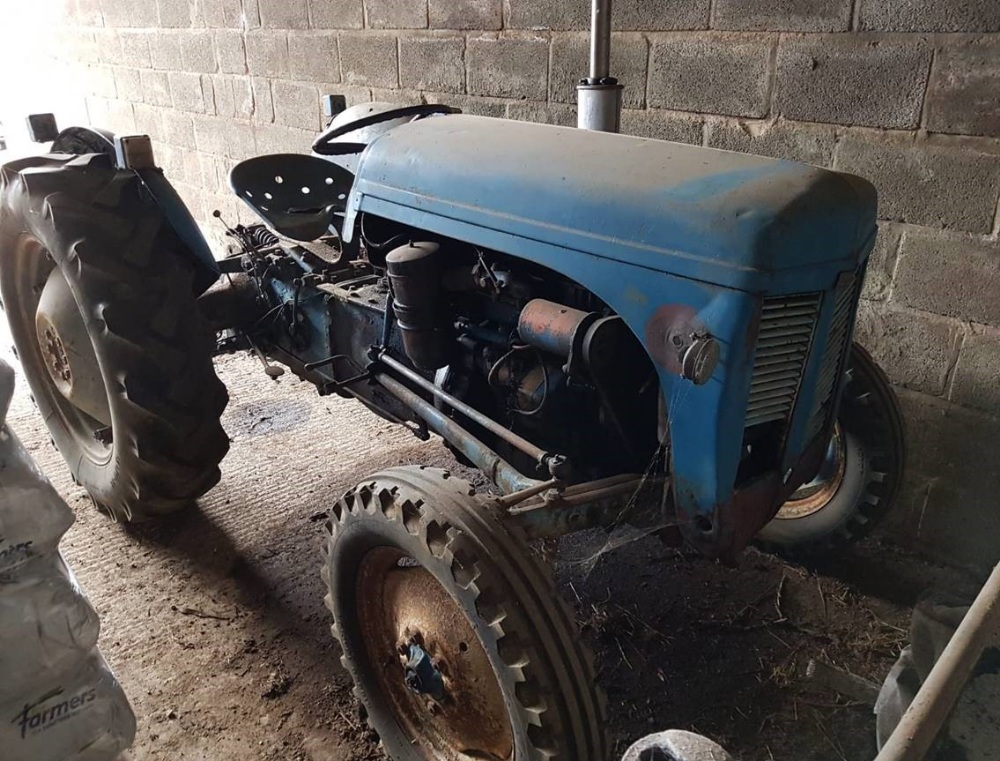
x=832, y=366
x=787, y=324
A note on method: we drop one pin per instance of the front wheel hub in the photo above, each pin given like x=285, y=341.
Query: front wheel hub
x=67, y=351
x=813, y=496
x=440, y=683
x=420, y=674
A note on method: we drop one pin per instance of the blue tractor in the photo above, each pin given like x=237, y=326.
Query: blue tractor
x=611, y=329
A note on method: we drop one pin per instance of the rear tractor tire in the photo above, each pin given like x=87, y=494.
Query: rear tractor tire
x=106, y=325
x=451, y=628
x=859, y=482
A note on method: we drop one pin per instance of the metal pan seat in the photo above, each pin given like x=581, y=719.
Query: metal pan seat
x=299, y=197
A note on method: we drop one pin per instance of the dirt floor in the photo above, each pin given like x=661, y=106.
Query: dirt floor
x=215, y=625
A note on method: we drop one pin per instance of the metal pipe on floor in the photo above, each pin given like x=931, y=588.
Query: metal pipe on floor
x=930, y=709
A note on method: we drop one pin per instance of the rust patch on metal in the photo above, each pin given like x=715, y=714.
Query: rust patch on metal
x=669, y=329
x=399, y=600
x=734, y=523
x=551, y=326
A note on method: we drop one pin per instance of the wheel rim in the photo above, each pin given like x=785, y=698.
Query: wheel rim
x=430, y=666
x=812, y=497
x=49, y=358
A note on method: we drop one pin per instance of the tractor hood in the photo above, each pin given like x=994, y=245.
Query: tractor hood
x=716, y=216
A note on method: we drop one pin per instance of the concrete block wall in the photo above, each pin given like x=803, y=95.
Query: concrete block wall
x=904, y=92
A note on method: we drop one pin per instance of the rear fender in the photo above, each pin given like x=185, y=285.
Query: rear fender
x=194, y=247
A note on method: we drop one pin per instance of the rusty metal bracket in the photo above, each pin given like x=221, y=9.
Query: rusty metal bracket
x=516, y=498
x=631, y=498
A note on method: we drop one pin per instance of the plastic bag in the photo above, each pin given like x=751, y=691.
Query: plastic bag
x=33, y=517
x=935, y=618
x=59, y=700
x=46, y=625
x=81, y=716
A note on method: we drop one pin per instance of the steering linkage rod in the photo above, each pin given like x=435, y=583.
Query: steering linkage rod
x=557, y=465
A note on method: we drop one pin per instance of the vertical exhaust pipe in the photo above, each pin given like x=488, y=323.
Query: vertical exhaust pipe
x=599, y=96
x=600, y=39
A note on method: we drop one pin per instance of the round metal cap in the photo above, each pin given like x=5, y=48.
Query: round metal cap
x=700, y=360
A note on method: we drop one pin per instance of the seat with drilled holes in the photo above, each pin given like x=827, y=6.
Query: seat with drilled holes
x=299, y=197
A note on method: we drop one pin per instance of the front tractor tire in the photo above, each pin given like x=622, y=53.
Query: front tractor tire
x=859, y=482
x=106, y=326
x=451, y=628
